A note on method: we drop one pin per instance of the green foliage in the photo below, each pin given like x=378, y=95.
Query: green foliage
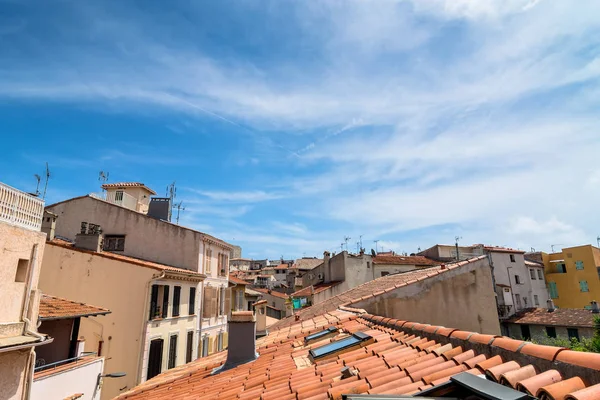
x=585, y=344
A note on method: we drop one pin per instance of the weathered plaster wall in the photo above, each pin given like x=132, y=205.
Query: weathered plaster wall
x=13, y=366
x=461, y=298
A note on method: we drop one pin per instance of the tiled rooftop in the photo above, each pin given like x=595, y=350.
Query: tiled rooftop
x=404, y=358
x=237, y=280
x=52, y=307
x=559, y=317
x=403, y=260
x=372, y=289
x=127, y=184
x=272, y=292
x=499, y=249
x=313, y=289
x=131, y=260
x=308, y=263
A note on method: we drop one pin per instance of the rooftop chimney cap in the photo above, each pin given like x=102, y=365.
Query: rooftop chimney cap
x=242, y=316
x=595, y=309
x=551, y=307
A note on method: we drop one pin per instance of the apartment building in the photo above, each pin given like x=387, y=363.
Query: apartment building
x=140, y=227
x=573, y=275
x=154, y=307
x=21, y=252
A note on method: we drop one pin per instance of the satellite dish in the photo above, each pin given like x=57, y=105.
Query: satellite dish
x=373, y=253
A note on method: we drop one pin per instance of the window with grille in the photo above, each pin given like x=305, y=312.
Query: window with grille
x=114, y=243
x=192, y=301
x=176, y=300
x=172, y=351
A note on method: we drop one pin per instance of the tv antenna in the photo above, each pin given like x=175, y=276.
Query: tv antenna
x=360, y=240
x=376, y=249
x=179, y=208
x=103, y=177
x=598, y=241
x=552, y=246
x=171, y=192
x=37, y=187
x=346, y=238
x=457, y=238
x=47, y=178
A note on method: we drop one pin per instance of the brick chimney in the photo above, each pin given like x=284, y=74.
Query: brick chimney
x=242, y=340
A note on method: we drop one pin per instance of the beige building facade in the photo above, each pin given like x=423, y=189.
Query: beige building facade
x=21, y=252
x=155, y=307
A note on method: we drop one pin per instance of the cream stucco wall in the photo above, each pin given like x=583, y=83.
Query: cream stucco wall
x=146, y=238
x=119, y=286
x=13, y=367
x=460, y=298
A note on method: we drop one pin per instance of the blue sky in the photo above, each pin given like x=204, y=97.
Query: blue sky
x=289, y=125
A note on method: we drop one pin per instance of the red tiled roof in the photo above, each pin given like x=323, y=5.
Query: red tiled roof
x=403, y=260
x=559, y=317
x=127, y=184
x=308, y=263
x=497, y=249
x=372, y=288
x=404, y=358
x=52, y=307
x=127, y=259
x=237, y=280
x=313, y=289
x=272, y=292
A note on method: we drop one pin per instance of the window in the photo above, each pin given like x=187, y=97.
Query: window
x=518, y=301
x=172, y=351
x=190, y=347
x=384, y=273
x=339, y=345
x=320, y=335
x=551, y=331
x=192, y=301
x=221, y=301
x=561, y=268
x=525, y=301
x=583, y=286
x=525, y=332
x=205, y=346
x=553, y=290
x=540, y=274
x=532, y=273
x=119, y=195
x=578, y=264
x=536, y=301
x=517, y=279
x=220, y=342
x=208, y=261
x=176, y=300
x=154, y=312
x=512, y=258
x=165, y=302
x=573, y=333
x=114, y=243
x=22, y=269
x=239, y=300
x=368, y=264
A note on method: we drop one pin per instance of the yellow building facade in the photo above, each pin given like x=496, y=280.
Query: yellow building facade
x=573, y=276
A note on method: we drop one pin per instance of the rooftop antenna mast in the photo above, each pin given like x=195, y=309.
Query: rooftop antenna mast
x=37, y=187
x=171, y=192
x=47, y=178
x=552, y=246
x=346, y=238
x=103, y=178
x=457, y=238
x=179, y=208
x=598, y=241
x=376, y=249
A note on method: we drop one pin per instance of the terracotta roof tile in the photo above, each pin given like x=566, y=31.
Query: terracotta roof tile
x=313, y=289
x=559, y=317
x=52, y=307
x=403, y=260
x=126, y=185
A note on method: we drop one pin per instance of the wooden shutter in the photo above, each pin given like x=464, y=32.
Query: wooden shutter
x=176, y=300
x=154, y=303
x=225, y=340
x=172, y=352
x=190, y=347
x=206, y=304
x=211, y=345
x=214, y=302
x=227, y=301
x=165, y=310
x=192, y=301
x=583, y=285
x=553, y=290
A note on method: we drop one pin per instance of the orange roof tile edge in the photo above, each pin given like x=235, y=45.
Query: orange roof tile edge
x=52, y=307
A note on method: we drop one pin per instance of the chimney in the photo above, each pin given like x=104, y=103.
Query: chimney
x=90, y=237
x=550, y=304
x=595, y=309
x=326, y=256
x=242, y=340
x=160, y=208
x=260, y=309
x=49, y=224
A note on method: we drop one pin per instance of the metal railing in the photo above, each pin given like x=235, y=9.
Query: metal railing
x=20, y=209
x=119, y=198
x=41, y=366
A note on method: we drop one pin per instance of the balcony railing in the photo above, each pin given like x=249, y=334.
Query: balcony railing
x=20, y=209
x=119, y=198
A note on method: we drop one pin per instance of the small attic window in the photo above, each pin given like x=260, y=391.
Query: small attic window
x=332, y=330
x=339, y=345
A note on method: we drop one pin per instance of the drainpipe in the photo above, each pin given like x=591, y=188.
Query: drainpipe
x=28, y=323
x=144, y=324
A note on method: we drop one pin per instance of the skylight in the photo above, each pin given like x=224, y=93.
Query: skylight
x=332, y=348
x=321, y=335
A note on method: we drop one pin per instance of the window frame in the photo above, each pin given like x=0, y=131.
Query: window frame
x=532, y=274
x=338, y=346
x=176, y=301
x=172, y=359
x=192, y=301
x=118, y=240
x=583, y=286
x=205, y=344
x=512, y=258
x=540, y=274
x=551, y=331
x=553, y=289
x=518, y=301
x=517, y=279
x=536, y=300
x=189, y=350
x=573, y=333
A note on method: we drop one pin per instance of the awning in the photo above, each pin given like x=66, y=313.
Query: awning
x=557, y=261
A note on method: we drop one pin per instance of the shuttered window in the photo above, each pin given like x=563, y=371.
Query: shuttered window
x=172, y=351
x=153, y=303
x=205, y=344
x=553, y=290
x=227, y=296
x=190, y=347
x=583, y=285
x=206, y=303
x=176, y=300
x=192, y=301
x=579, y=264
x=214, y=302
x=165, y=306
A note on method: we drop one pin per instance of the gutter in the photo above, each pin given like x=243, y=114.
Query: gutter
x=144, y=325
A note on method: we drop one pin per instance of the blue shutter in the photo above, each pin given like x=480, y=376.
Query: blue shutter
x=579, y=264
x=583, y=286
x=553, y=290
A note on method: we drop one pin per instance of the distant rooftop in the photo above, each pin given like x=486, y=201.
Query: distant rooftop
x=559, y=317
x=119, y=185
